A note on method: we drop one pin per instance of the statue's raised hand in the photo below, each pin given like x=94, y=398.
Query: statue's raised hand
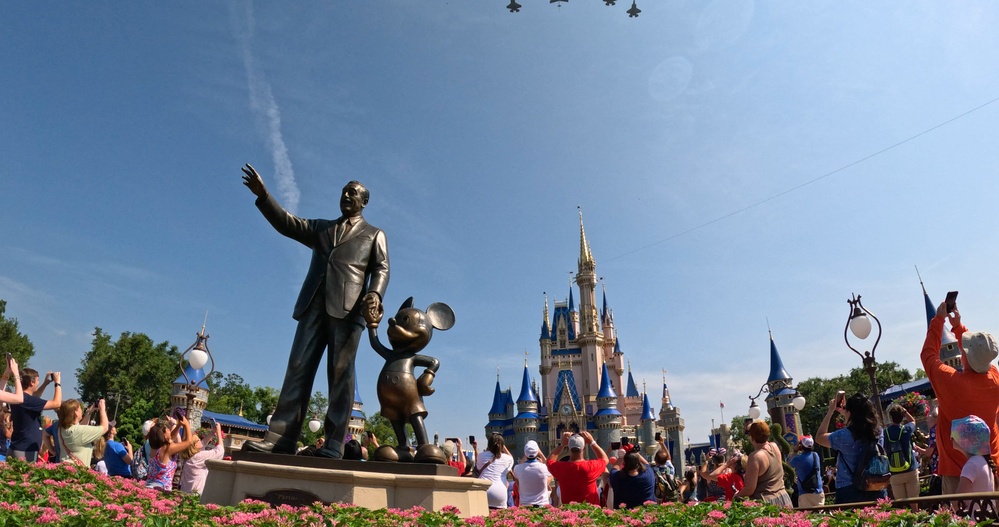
x=254, y=182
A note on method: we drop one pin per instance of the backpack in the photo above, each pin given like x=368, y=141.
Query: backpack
x=140, y=465
x=899, y=453
x=811, y=485
x=666, y=488
x=872, y=473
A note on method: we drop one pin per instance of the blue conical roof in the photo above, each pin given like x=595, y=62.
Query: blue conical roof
x=777, y=371
x=357, y=392
x=617, y=346
x=930, y=310
x=193, y=376
x=572, y=305
x=606, y=390
x=545, y=334
x=647, y=414
x=499, y=402
x=526, y=393
x=632, y=389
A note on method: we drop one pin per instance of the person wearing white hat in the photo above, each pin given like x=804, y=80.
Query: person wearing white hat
x=807, y=465
x=532, y=477
x=973, y=390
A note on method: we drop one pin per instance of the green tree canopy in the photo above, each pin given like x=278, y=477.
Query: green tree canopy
x=818, y=391
x=12, y=340
x=131, y=373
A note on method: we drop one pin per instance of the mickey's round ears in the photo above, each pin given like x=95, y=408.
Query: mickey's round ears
x=441, y=316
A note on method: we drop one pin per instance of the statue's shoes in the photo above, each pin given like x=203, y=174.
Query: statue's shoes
x=266, y=447
x=329, y=453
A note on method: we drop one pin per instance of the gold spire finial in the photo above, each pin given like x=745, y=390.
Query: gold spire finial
x=525, y=357
x=547, y=320
x=585, y=256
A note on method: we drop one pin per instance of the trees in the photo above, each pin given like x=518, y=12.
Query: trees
x=12, y=340
x=818, y=392
x=132, y=369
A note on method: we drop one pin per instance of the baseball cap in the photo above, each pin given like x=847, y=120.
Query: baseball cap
x=807, y=442
x=576, y=442
x=531, y=449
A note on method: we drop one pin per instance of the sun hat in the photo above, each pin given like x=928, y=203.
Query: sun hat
x=448, y=448
x=576, y=442
x=531, y=449
x=981, y=350
x=971, y=434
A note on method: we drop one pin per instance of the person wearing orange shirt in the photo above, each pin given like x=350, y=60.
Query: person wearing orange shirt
x=972, y=391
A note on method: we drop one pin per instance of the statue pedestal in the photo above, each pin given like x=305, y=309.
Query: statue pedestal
x=301, y=480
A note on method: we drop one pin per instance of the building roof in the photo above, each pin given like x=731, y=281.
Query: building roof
x=499, y=403
x=566, y=379
x=193, y=376
x=562, y=313
x=526, y=392
x=777, y=371
x=606, y=390
x=233, y=421
x=632, y=389
x=647, y=414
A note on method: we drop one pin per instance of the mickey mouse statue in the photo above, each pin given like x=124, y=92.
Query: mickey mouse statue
x=399, y=391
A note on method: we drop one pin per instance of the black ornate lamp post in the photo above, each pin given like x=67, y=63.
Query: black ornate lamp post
x=860, y=325
x=798, y=402
x=197, y=355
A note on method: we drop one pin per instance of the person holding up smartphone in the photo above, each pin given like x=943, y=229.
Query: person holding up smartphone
x=973, y=390
x=26, y=438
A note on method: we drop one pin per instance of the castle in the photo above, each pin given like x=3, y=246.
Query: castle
x=582, y=369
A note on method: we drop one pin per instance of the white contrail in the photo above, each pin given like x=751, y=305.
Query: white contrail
x=265, y=107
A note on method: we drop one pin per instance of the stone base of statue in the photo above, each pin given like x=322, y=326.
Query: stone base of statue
x=302, y=480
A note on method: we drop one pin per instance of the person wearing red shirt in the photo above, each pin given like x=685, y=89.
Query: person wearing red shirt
x=729, y=475
x=577, y=477
x=972, y=391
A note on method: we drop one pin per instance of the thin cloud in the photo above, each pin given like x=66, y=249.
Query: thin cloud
x=266, y=109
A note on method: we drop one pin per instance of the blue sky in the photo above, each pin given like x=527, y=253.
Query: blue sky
x=735, y=161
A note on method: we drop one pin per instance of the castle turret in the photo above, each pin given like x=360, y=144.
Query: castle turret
x=546, y=350
x=608, y=417
x=525, y=424
x=356, y=424
x=632, y=402
x=672, y=425
x=590, y=339
x=782, y=392
x=191, y=382
x=647, y=428
x=498, y=419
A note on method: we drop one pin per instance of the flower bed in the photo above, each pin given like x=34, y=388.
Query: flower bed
x=63, y=495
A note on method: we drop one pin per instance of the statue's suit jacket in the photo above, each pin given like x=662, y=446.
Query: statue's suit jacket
x=349, y=269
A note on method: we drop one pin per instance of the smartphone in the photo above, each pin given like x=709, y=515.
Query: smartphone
x=951, y=301
x=841, y=397
x=9, y=356
x=625, y=441
x=451, y=439
x=179, y=412
x=616, y=445
x=471, y=439
x=659, y=436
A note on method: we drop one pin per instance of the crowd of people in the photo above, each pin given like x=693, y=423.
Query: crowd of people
x=961, y=452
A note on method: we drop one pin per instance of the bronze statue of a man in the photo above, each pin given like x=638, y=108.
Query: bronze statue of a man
x=348, y=274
